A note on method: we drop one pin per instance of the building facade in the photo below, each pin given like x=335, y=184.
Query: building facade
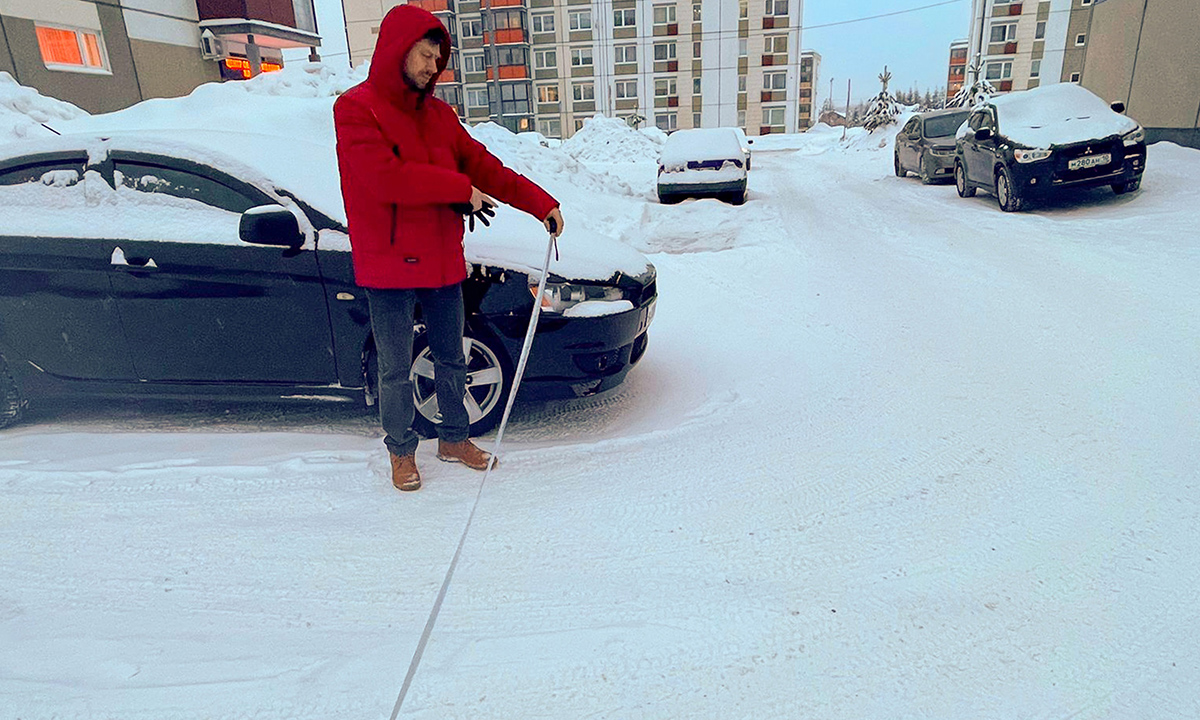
x=1021, y=45
x=104, y=55
x=810, y=68
x=957, y=72
x=549, y=65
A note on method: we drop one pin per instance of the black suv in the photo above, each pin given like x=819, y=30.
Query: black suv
x=1035, y=142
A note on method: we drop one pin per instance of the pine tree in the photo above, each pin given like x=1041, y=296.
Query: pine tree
x=975, y=92
x=883, y=109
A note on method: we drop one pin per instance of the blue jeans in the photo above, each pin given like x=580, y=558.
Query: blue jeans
x=392, y=323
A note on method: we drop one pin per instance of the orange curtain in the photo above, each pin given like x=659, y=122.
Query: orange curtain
x=92, y=43
x=60, y=46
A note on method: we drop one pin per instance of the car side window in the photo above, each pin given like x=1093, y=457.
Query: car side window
x=910, y=128
x=158, y=178
x=66, y=171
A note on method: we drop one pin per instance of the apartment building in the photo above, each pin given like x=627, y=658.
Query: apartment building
x=1147, y=55
x=806, y=112
x=1023, y=44
x=957, y=73
x=104, y=55
x=549, y=65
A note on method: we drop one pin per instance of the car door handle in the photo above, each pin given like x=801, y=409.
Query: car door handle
x=119, y=262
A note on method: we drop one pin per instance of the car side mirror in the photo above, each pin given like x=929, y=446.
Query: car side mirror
x=983, y=134
x=270, y=225
x=1118, y=107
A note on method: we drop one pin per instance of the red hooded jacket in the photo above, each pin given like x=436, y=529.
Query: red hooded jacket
x=404, y=158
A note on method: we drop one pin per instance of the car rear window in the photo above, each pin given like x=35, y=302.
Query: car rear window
x=944, y=125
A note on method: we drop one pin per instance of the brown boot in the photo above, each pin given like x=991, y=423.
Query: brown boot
x=404, y=472
x=464, y=452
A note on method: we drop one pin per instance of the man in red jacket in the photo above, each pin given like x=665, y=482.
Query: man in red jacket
x=405, y=160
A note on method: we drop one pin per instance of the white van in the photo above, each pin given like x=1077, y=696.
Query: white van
x=707, y=162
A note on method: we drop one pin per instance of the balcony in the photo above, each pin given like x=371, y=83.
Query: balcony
x=1010, y=48
x=1014, y=9
x=432, y=6
x=270, y=23
x=507, y=37
x=509, y=72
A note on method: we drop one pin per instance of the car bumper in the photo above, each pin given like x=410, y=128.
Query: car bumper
x=1040, y=178
x=939, y=166
x=701, y=189
x=580, y=356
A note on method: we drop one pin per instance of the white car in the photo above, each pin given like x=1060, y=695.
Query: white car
x=707, y=162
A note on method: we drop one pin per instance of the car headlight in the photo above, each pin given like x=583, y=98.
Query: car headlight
x=1028, y=156
x=558, y=297
x=1134, y=137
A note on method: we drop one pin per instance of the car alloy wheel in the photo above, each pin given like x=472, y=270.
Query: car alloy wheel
x=1006, y=193
x=11, y=404
x=489, y=379
x=960, y=181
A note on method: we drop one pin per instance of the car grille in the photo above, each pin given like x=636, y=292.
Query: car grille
x=1064, y=157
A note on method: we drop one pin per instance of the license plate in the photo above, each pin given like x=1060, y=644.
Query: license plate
x=1088, y=161
x=647, y=316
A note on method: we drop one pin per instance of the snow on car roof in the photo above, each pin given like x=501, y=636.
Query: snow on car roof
x=700, y=144
x=1057, y=115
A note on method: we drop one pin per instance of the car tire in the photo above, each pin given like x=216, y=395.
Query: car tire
x=1007, y=195
x=489, y=379
x=1127, y=187
x=669, y=199
x=900, y=171
x=737, y=197
x=11, y=404
x=960, y=181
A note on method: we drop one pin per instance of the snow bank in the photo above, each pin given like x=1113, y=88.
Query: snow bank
x=23, y=110
x=611, y=140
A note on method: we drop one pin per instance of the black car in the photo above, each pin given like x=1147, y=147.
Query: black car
x=1037, y=142
x=925, y=145
x=132, y=269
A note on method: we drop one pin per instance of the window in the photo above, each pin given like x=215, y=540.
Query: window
x=450, y=94
x=626, y=18
x=1074, y=77
x=625, y=53
x=1035, y=70
x=775, y=80
x=580, y=20
x=550, y=128
x=1040, y=32
x=158, y=178
x=742, y=48
x=581, y=57
x=741, y=119
x=1085, y=3
x=741, y=83
x=547, y=93
x=543, y=23
x=1080, y=39
x=477, y=98
x=69, y=49
x=667, y=122
x=775, y=44
x=777, y=7
x=474, y=64
x=999, y=70
x=664, y=14
x=1004, y=32
x=665, y=87
x=471, y=29
x=695, y=120
x=506, y=55
x=626, y=89
x=664, y=51
x=696, y=11
x=696, y=86
x=508, y=19
x=514, y=98
x=543, y=59
x=743, y=9
x=696, y=49
x=773, y=116
x=583, y=91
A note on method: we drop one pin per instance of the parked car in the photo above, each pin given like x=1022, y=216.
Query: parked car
x=1036, y=142
x=139, y=267
x=925, y=145
x=699, y=163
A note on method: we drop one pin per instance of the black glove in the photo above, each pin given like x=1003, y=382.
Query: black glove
x=486, y=210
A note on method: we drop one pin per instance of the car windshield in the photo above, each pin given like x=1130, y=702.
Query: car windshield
x=944, y=125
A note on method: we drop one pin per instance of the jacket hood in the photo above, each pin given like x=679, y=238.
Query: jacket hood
x=402, y=27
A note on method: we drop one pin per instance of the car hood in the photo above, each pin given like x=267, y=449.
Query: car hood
x=1060, y=114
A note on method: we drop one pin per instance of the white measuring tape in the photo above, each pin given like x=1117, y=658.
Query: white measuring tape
x=512, y=395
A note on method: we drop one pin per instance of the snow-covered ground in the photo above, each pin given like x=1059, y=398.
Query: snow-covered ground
x=891, y=454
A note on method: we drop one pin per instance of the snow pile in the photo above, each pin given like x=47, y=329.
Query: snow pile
x=611, y=140
x=305, y=80
x=23, y=110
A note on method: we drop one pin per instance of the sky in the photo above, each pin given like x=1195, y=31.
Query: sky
x=914, y=45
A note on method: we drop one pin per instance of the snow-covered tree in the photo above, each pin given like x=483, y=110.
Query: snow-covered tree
x=883, y=108
x=974, y=92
